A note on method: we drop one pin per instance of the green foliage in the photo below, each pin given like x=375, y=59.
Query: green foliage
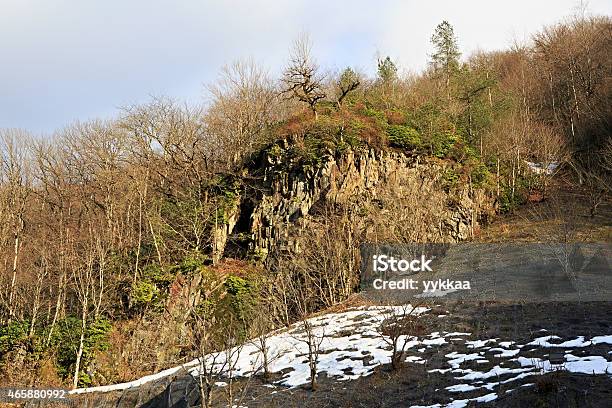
x=143, y=294
x=65, y=341
x=450, y=145
x=154, y=273
x=206, y=308
x=225, y=190
x=477, y=111
x=242, y=295
x=257, y=255
x=387, y=70
x=189, y=265
x=320, y=138
x=148, y=292
x=442, y=143
x=509, y=201
x=379, y=115
x=241, y=301
x=348, y=77
x=449, y=179
x=352, y=133
x=446, y=54
x=480, y=175
x=232, y=305
x=97, y=336
x=151, y=289
x=404, y=137
x=13, y=334
x=348, y=82
x=275, y=151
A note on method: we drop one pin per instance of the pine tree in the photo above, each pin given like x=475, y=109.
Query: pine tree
x=445, y=59
x=387, y=70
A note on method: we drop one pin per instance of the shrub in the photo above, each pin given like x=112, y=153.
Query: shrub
x=13, y=334
x=442, y=143
x=161, y=277
x=508, y=202
x=190, y=264
x=66, y=341
x=373, y=113
x=404, y=137
x=242, y=294
x=143, y=293
x=449, y=179
x=275, y=151
x=480, y=174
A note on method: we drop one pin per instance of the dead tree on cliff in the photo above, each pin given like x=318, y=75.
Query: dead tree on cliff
x=301, y=78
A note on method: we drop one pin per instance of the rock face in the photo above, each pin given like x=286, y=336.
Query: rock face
x=223, y=230
x=391, y=182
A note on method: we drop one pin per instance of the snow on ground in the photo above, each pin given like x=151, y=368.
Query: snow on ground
x=351, y=346
x=344, y=336
x=542, y=168
x=576, y=343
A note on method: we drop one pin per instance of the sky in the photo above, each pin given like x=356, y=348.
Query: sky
x=68, y=60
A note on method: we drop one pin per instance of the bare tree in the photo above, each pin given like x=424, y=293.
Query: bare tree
x=397, y=328
x=313, y=338
x=15, y=188
x=595, y=177
x=347, y=82
x=218, y=349
x=205, y=343
x=607, y=156
x=556, y=225
x=301, y=77
x=261, y=325
x=243, y=105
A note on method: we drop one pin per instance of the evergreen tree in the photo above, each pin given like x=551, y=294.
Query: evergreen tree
x=445, y=59
x=387, y=70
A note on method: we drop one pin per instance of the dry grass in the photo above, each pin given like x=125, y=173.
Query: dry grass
x=564, y=204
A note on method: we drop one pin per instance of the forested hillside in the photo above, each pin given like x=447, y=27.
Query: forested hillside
x=134, y=244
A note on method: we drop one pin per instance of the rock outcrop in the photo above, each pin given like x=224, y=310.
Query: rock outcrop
x=388, y=181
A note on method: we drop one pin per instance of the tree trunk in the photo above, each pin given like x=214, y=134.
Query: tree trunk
x=79, y=355
x=13, y=278
x=264, y=351
x=36, y=303
x=498, y=178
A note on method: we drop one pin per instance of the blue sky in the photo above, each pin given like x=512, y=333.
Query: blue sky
x=67, y=60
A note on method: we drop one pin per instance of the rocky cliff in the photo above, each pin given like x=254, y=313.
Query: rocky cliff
x=375, y=185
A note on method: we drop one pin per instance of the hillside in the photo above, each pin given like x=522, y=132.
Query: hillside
x=491, y=359
x=146, y=258
x=458, y=352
